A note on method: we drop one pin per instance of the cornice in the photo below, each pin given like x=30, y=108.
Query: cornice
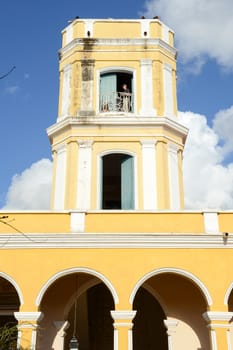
x=117, y=121
x=116, y=42
x=114, y=240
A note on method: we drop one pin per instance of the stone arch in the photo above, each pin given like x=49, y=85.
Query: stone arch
x=77, y=270
x=180, y=272
x=15, y=284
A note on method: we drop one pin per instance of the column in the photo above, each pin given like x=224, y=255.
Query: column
x=219, y=327
x=147, y=106
x=123, y=338
x=87, y=87
x=173, y=168
x=60, y=178
x=149, y=178
x=84, y=175
x=61, y=327
x=171, y=326
x=168, y=90
x=27, y=329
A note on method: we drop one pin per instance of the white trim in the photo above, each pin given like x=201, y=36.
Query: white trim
x=171, y=326
x=229, y=342
x=168, y=90
x=28, y=316
x=149, y=178
x=134, y=122
x=123, y=314
x=147, y=105
x=218, y=316
x=228, y=293
x=60, y=177
x=132, y=240
x=16, y=286
x=213, y=338
x=211, y=222
x=181, y=272
x=76, y=270
x=173, y=173
x=77, y=222
x=99, y=172
x=83, y=196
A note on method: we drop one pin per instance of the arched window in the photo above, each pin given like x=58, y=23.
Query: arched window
x=116, y=92
x=117, y=181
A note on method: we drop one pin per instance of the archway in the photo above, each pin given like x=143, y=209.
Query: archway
x=229, y=301
x=174, y=310
x=9, y=303
x=76, y=304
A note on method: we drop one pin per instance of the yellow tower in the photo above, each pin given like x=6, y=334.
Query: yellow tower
x=117, y=143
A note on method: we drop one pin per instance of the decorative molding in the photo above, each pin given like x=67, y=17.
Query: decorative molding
x=123, y=314
x=173, y=172
x=89, y=27
x=60, y=177
x=165, y=33
x=132, y=240
x=168, y=91
x=29, y=316
x=69, y=33
x=210, y=316
x=116, y=120
x=123, y=42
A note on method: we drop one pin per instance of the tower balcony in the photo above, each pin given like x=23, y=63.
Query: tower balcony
x=117, y=102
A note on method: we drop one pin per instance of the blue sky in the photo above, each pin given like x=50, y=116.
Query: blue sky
x=31, y=38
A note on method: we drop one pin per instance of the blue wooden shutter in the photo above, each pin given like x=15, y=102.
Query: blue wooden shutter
x=127, y=183
x=108, y=84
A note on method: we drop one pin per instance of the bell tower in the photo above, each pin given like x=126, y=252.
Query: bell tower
x=117, y=143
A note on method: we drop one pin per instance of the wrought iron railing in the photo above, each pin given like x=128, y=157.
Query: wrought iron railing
x=117, y=102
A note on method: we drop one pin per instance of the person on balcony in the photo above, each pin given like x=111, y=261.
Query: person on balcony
x=125, y=94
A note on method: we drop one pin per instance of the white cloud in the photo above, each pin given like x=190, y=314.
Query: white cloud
x=31, y=189
x=208, y=181
x=203, y=29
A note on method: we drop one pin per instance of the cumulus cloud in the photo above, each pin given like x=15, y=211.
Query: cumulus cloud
x=208, y=180
x=31, y=189
x=203, y=28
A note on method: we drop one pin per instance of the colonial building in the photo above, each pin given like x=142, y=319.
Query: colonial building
x=117, y=262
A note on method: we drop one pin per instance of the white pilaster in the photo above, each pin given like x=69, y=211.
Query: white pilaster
x=218, y=319
x=84, y=175
x=168, y=91
x=28, y=320
x=69, y=33
x=165, y=33
x=61, y=327
x=149, y=175
x=89, y=27
x=77, y=222
x=66, y=91
x=171, y=326
x=145, y=28
x=211, y=222
x=123, y=319
x=60, y=178
x=147, y=106
x=173, y=172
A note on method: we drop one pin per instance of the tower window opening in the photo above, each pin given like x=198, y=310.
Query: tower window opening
x=118, y=181
x=116, y=93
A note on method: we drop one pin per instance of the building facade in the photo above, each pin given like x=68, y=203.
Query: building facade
x=117, y=262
